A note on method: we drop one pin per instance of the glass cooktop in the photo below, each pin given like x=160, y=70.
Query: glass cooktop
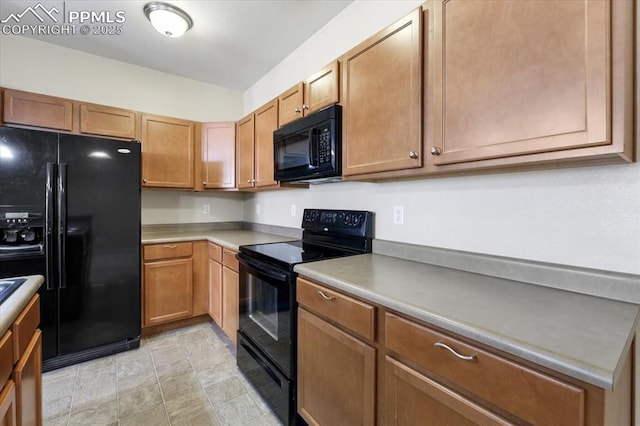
x=294, y=252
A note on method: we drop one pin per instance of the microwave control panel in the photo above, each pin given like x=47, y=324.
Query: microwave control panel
x=324, y=145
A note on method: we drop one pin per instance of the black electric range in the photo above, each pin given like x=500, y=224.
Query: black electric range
x=268, y=327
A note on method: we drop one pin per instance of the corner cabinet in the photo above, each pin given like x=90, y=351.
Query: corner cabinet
x=382, y=100
x=168, y=147
x=219, y=155
x=316, y=92
x=502, y=94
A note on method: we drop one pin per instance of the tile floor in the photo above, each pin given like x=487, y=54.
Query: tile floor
x=182, y=377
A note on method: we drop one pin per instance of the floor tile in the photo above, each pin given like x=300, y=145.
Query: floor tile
x=58, y=421
x=156, y=416
x=56, y=407
x=163, y=341
x=176, y=369
x=168, y=356
x=56, y=389
x=129, y=383
x=238, y=411
x=225, y=390
x=176, y=387
x=141, y=399
x=100, y=414
x=100, y=394
x=187, y=406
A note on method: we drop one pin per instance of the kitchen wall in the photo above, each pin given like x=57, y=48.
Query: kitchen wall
x=588, y=217
x=53, y=70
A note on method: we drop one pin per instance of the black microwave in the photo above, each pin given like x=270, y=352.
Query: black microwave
x=309, y=149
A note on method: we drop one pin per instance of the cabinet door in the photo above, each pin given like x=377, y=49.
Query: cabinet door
x=290, y=105
x=336, y=374
x=8, y=404
x=230, y=303
x=167, y=152
x=413, y=399
x=107, y=121
x=321, y=89
x=382, y=99
x=28, y=378
x=168, y=290
x=501, y=89
x=246, y=153
x=215, y=291
x=266, y=123
x=219, y=155
x=200, y=278
x=36, y=110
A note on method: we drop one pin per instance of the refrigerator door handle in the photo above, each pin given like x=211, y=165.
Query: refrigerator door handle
x=62, y=224
x=48, y=227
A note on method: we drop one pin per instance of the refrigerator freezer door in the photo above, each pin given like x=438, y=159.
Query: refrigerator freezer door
x=100, y=296
x=25, y=157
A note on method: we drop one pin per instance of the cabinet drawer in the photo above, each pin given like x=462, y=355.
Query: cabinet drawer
x=526, y=393
x=215, y=252
x=167, y=251
x=6, y=357
x=229, y=259
x=351, y=314
x=24, y=327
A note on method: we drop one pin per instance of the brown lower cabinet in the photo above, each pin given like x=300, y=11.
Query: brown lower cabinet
x=8, y=404
x=21, y=369
x=224, y=289
x=28, y=378
x=230, y=294
x=336, y=374
x=167, y=282
x=406, y=373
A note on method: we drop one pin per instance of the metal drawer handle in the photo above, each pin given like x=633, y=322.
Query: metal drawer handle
x=325, y=297
x=466, y=358
x=170, y=246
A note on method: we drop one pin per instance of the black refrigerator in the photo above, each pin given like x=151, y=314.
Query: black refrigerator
x=70, y=211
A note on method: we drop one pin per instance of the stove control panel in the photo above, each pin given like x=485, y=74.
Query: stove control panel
x=343, y=222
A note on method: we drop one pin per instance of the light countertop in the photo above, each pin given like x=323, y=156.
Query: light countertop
x=582, y=336
x=14, y=304
x=231, y=239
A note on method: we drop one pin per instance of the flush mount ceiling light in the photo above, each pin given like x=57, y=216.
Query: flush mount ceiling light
x=167, y=19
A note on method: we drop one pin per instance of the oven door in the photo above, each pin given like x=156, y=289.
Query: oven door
x=267, y=294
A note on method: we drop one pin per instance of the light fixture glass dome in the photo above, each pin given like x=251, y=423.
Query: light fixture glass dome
x=167, y=19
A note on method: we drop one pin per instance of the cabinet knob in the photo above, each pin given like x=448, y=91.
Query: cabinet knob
x=144, y=181
x=305, y=106
x=297, y=110
x=413, y=154
x=204, y=182
x=435, y=151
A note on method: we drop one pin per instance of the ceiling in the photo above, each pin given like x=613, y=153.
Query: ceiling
x=232, y=42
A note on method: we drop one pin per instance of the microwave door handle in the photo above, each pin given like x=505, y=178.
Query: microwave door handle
x=313, y=149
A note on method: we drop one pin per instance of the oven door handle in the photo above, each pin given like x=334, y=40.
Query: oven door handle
x=263, y=269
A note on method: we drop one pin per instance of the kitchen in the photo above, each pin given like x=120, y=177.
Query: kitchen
x=583, y=217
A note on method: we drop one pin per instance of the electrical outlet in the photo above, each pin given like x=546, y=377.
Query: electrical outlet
x=293, y=210
x=257, y=209
x=206, y=209
x=398, y=215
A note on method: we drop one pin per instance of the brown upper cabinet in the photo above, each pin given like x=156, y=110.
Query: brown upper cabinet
x=168, y=147
x=316, y=92
x=219, y=155
x=255, y=147
x=107, y=121
x=32, y=109
x=382, y=100
x=245, y=147
x=524, y=78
